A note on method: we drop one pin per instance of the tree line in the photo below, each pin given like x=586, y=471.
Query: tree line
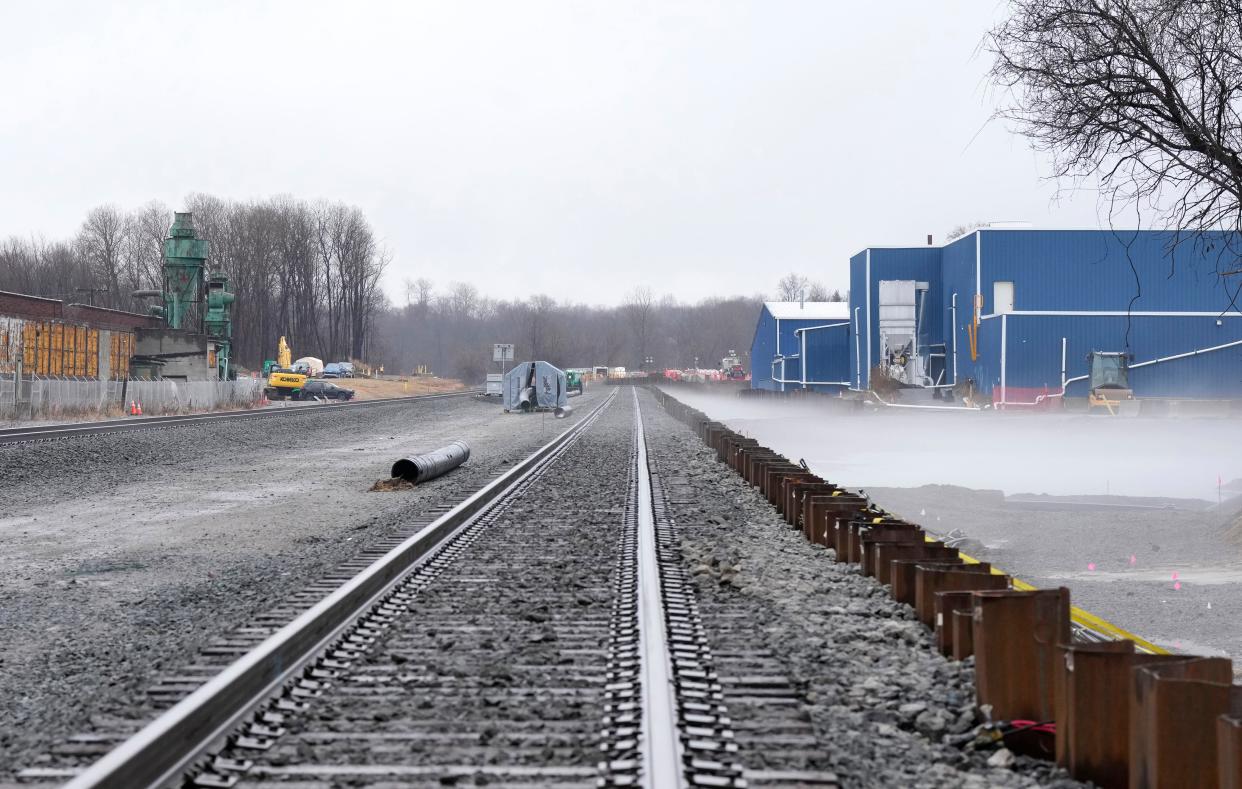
x=308, y=271
x=311, y=271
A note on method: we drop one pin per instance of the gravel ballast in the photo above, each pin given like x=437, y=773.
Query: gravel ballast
x=122, y=554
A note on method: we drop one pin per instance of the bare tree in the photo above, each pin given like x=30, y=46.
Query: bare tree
x=792, y=287
x=1143, y=95
x=815, y=291
x=102, y=241
x=637, y=308
x=960, y=230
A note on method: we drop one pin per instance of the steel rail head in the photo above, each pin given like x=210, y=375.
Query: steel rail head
x=171, y=743
x=661, y=740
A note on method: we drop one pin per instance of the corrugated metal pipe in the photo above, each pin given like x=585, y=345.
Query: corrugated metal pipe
x=564, y=411
x=527, y=401
x=430, y=465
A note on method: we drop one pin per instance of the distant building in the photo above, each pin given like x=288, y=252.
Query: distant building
x=801, y=345
x=1014, y=313
x=48, y=337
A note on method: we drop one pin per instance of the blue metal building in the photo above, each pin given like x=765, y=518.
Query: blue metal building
x=790, y=333
x=1017, y=311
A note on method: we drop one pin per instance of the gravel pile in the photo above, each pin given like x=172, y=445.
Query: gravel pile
x=887, y=709
x=122, y=555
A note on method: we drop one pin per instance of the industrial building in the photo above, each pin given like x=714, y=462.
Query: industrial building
x=49, y=337
x=1013, y=316
x=791, y=332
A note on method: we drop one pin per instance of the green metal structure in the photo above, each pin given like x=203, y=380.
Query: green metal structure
x=219, y=320
x=185, y=258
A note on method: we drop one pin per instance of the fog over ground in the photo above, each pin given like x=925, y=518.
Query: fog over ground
x=1168, y=571
x=1058, y=454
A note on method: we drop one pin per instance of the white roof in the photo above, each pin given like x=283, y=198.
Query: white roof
x=809, y=310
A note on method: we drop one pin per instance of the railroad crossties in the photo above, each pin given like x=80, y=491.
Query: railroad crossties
x=511, y=637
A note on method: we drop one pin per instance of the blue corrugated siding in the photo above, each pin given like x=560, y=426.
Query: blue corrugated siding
x=827, y=350
x=762, y=349
x=958, y=277
x=1033, y=358
x=828, y=356
x=859, y=316
x=1077, y=271
x=1091, y=270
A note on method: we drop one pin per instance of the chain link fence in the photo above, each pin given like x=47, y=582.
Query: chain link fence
x=39, y=397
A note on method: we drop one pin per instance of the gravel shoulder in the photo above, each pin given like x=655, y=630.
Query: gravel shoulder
x=122, y=554
x=881, y=699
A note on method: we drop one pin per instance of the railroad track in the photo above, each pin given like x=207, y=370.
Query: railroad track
x=528, y=636
x=19, y=435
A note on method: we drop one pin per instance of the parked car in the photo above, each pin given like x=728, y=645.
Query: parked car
x=316, y=389
x=332, y=370
x=347, y=369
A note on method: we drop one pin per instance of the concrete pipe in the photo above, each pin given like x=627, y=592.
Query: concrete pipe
x=430, y=465
x=564, y=411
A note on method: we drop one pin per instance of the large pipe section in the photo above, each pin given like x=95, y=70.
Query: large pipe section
x=430, y=465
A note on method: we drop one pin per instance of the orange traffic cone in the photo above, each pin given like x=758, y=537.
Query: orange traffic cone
x=133, y=408
x=139, y=409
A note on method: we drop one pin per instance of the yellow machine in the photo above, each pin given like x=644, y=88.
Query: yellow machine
x=282, y=384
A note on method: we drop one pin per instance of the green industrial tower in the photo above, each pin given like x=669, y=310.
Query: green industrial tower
x=219, y=321
x=185, y=256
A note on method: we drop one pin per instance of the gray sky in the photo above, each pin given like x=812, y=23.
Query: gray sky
x=576, y=149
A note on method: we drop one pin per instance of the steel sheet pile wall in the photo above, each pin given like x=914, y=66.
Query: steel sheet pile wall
x=1056, y=681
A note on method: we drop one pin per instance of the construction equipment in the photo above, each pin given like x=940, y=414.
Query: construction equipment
x=282, y=380
x=731, y=366
x=1110, y=383
x=574, y=383
x=282, y=384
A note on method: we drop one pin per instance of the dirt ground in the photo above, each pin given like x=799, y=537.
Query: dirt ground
x=1166, y=569
x=380, y=388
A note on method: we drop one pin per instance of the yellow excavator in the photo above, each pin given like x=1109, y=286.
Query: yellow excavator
x=282, y=381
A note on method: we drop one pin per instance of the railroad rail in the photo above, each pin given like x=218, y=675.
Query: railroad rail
x=301, y=659
x=647, y=668
x=19, y=435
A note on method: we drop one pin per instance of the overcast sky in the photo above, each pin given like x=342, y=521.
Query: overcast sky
x=576, y=149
